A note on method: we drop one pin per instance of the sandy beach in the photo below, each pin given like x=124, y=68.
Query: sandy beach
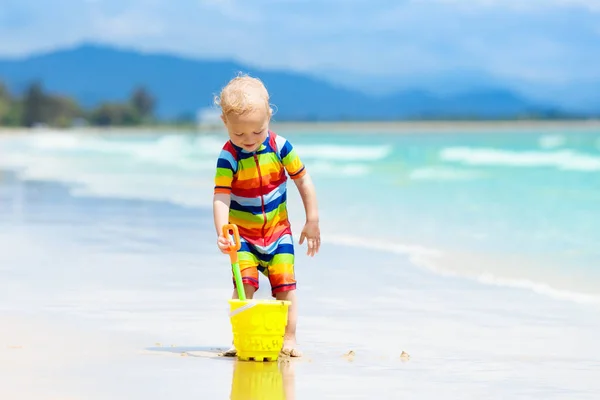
x=99, y=343
x=127, y=300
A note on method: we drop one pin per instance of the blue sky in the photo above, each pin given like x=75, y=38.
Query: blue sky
x=536, y=41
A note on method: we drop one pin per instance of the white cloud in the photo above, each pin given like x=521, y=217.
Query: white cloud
x=549, y=40
x=129, y=25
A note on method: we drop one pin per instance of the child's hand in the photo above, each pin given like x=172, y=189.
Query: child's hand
x=224, y=244
x=312, y=233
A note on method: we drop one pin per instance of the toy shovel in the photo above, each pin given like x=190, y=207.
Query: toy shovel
x=228, y=231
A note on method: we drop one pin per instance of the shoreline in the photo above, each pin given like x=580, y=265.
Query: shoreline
x=377, y=127
x=425, y=257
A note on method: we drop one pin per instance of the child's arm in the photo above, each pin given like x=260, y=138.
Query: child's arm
x=226, y=166
x=221, y=203
x=311, y=229
x=309, y=197
x=298, y=173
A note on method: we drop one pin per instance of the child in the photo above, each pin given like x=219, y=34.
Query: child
x=250, y=191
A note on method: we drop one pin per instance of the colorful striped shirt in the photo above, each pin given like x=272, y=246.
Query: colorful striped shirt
x=257, y=185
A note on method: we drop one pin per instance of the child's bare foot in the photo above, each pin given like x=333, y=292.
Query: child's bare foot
x=289, y=348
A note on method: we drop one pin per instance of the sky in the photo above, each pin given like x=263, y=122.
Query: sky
x=542, y=42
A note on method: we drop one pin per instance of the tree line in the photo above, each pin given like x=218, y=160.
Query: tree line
x=36, y=106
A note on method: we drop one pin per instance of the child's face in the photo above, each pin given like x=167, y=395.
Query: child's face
x=249, y=130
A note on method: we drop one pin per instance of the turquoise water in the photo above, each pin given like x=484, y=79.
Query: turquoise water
x=509, y=208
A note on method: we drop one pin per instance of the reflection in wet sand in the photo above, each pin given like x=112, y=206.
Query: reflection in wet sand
x=263, y=380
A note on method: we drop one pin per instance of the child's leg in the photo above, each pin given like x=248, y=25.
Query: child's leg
x=249, y=290
x=289, y=340
x=283, y=287
x=248, y=269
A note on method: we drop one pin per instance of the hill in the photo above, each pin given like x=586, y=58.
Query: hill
x=94, y=73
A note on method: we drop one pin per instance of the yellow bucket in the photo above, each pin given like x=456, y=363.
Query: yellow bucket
x=258, y=328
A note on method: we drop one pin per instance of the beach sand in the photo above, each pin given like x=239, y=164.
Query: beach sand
x=116, y=299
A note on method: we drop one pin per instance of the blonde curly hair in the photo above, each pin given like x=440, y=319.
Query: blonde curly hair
x=243, y=94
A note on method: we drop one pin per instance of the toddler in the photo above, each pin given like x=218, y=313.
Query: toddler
x=250, y=191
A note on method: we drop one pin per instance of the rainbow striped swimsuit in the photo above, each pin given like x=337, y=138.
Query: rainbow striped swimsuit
x=257, y=185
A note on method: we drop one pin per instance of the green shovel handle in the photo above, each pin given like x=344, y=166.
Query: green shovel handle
x=232, y=229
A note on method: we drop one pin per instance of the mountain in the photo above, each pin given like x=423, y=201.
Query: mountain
x=94, y=73
x=576, y=95
x=441, y=83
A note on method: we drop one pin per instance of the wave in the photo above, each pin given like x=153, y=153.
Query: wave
x=184, y=151
x=174, y=168
x=430, y=259
x=569, y=160
x=539, y=288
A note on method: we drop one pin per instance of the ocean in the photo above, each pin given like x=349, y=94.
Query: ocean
x=475, y=251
